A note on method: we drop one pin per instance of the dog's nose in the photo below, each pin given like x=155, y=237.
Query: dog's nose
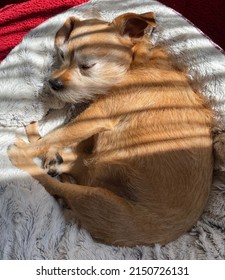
x=56, y=84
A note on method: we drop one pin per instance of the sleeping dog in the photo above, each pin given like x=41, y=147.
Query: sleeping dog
x=141, y=153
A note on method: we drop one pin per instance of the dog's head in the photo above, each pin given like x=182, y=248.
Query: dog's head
x=95, y=54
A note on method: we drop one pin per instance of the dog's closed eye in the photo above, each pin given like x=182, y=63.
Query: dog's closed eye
x=86, y=66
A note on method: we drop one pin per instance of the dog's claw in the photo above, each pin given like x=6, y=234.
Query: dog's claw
x=59, y=158
x=52, y=172
x=52, y=162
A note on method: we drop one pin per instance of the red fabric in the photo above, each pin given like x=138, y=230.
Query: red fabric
x=208, y=16
x=17, y=19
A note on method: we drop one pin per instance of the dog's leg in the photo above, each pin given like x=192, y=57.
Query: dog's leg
x=90, y=122
x=57, y=162
x=106, y=216
x=52, y=159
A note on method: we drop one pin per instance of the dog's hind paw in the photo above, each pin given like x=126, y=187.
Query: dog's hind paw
x=52, y=164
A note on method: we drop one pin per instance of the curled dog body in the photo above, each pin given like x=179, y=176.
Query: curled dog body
x=142, y=151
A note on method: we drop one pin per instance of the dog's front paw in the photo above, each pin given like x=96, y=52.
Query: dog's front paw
x=52, y=163
x=17, y=154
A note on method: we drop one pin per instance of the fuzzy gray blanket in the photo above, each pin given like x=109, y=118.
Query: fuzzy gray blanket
x=33, y=224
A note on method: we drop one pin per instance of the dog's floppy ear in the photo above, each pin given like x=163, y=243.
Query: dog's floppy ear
x=63, y=33
x=133, y=25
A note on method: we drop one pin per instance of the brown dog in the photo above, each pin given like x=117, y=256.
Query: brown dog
x=142, y=150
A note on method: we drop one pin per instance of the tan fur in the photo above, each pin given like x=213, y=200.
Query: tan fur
x=142, y=151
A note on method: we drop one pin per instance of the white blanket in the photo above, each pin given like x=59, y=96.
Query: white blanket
x=33, y=224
